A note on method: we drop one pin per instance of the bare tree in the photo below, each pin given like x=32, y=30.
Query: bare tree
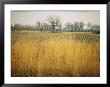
x=76, y=26
x=81, y=26
x=89, y=25
x=38, y=25
x=54, y=21
x=69, y=27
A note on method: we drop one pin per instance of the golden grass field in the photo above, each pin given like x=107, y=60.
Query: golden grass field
x=64, y=54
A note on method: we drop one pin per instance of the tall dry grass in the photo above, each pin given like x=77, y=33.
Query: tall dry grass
x=46, y=54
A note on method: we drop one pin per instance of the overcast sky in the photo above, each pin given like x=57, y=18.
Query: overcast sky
x=31, y=17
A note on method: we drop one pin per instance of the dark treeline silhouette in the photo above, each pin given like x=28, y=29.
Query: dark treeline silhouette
x=54, y=24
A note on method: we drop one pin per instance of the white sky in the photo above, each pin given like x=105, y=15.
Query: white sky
x=31, y=17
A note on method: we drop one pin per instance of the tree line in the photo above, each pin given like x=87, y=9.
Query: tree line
x=54, y=24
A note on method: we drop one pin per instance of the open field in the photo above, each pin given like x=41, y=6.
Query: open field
x=71, y=54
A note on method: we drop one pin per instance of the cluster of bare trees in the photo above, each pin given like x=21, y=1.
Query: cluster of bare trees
x=77, y=26
x=54, y=24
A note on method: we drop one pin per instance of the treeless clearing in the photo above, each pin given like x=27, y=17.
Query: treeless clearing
x=42, y=54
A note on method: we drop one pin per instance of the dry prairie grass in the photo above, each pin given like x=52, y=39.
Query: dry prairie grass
x=51, y=54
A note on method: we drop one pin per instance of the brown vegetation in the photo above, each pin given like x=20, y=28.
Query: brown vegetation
x=55, y=54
